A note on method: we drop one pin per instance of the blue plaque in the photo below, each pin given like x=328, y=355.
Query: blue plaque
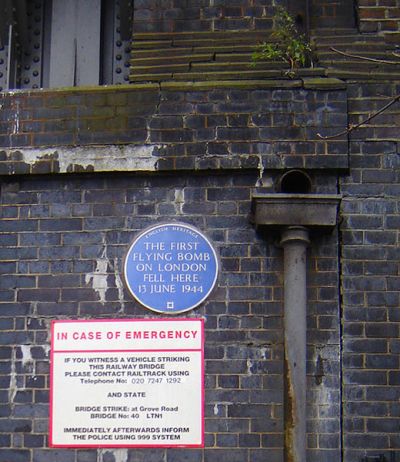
x=171, y=268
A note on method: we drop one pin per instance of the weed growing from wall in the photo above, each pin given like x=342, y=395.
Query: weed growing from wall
x=285, y=44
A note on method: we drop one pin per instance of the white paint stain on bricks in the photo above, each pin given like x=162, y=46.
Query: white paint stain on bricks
x=98, y=159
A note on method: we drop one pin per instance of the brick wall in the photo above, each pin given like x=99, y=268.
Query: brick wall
x=58, y=231
x=370, y=273
x=204, y=15
x=332, y=14
x=193, y=129
x=178, y=16
x=84, y=170
x=379, y=15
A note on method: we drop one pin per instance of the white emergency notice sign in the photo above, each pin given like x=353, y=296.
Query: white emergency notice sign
x=127, y=383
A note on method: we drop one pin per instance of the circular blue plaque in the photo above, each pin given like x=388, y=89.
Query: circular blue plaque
x=171, y=268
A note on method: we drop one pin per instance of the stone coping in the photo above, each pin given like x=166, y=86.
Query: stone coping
x=312, y=83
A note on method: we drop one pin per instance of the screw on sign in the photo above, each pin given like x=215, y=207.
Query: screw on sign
x=171, y=268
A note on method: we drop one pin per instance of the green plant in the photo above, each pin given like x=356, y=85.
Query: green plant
x=286, y=44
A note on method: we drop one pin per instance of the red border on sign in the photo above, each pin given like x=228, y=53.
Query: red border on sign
x=139, y=445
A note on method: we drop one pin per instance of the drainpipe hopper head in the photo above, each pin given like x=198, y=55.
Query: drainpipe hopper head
x=288, y=209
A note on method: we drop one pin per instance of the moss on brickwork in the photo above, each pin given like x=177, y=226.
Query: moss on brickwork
x=199, y=125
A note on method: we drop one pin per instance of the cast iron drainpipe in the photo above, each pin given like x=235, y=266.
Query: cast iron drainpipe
x=295, y=214
x=295, y=240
